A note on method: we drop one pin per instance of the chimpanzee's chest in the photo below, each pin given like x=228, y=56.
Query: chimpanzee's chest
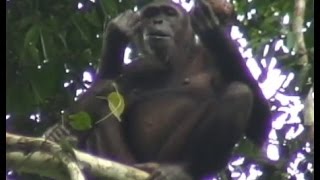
x=166, y=113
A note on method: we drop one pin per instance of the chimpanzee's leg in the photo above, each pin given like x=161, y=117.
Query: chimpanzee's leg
x=107, y=141
x=223, y=124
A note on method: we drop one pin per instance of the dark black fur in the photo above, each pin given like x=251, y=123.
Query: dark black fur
x=187, y=103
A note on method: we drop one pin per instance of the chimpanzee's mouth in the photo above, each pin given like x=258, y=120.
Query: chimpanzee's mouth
x=158, y=35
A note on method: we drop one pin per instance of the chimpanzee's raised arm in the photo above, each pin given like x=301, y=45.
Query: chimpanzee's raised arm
x=232, y=65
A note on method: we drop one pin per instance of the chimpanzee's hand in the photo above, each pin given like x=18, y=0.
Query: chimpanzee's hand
x=203, y=18
x=124, y=26
x=59, y=132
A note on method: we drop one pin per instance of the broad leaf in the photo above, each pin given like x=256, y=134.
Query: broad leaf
x=116, y=104
x=80, y=121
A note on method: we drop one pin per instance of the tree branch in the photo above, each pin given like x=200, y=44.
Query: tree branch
x=297, y=26
x=300, y=46
x=308, y=114
x=46, y=158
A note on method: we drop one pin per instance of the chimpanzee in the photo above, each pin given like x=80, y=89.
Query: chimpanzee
x=188, y=102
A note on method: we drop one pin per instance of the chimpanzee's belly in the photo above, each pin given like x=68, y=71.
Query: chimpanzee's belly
x=156, y=121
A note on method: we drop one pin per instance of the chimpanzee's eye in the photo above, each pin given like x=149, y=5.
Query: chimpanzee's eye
x=150, y=12
x=169, y=11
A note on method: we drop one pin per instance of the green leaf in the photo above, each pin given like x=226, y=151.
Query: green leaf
x=109, y=7
x=32, y=36
x=19, y=100
x=93, y=18
x=116, y=104
x=30, y=50
x=82, y=27
x=42, y=88
x=34, y=54
x=80, y=121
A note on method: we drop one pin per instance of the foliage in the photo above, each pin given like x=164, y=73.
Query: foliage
x=80, y=121
x=59, y=42
x=53, y=42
